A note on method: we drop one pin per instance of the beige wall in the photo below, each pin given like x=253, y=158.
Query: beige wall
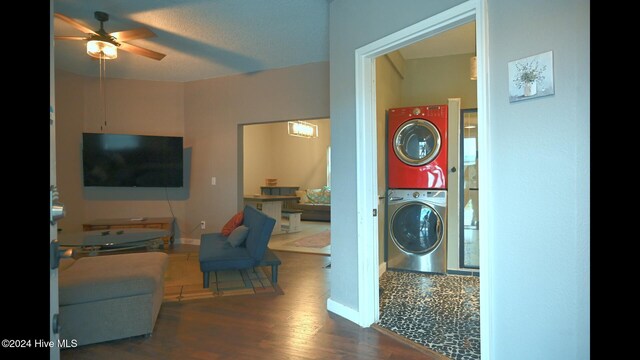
x=388, y=90
x=208, y=113
x=133, y=107
x=258, y=163
x=270, y=152
x=216, y=109
x=430, y=81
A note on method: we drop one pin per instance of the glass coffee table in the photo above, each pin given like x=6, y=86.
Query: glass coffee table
x=98, y=241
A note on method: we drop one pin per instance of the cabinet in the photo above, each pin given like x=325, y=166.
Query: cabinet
x=164, y=223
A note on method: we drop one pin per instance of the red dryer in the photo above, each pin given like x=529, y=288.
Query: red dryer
x=417, y=147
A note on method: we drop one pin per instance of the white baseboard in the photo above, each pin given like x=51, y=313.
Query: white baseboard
x=382, y=269
x=344, y=311
x=188, y=241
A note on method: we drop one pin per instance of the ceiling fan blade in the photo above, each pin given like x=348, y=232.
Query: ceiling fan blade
x=126, y=35
x=71, y=38
x=141, y=51
x=75, y=24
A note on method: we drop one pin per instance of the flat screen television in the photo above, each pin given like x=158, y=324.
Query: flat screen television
x=131, y=160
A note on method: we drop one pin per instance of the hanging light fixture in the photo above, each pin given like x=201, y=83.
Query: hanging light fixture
x=302, y=129
x=102, y=49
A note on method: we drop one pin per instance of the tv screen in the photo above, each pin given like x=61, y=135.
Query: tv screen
x=131, y=160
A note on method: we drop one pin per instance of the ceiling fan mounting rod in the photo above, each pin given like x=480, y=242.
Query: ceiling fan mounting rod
x=102, y=17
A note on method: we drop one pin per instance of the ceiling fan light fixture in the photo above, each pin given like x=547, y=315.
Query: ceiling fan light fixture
x=102, y=50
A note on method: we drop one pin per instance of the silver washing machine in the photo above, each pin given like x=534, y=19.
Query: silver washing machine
x=417, y=230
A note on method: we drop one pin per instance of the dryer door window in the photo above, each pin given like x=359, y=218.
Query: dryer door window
x=417, y=142
x=416, y=228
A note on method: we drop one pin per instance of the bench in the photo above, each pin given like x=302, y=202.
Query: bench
x=217, y=254
x=293, y=216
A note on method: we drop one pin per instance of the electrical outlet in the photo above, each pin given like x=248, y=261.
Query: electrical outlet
x=203, y=225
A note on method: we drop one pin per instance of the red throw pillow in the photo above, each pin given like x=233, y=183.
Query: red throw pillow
x=235, y=221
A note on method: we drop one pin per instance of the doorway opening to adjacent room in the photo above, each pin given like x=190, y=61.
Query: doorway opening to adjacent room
x=286, y=166
x=368, y=156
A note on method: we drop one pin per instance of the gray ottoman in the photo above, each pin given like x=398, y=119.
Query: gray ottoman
x=110, y=297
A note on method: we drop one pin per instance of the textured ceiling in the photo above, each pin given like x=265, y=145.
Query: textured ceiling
x=202, y=38
x=459, y=40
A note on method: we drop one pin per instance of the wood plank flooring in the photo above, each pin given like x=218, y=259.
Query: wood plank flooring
x=295, y=325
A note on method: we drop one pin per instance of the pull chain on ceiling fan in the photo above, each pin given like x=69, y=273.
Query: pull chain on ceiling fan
x=103, y=91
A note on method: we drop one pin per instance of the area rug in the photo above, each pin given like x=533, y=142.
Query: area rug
x=183, y=281
x=318, y=240
x=318, y=243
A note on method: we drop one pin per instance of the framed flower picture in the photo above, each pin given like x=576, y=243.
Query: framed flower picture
x=531, y=77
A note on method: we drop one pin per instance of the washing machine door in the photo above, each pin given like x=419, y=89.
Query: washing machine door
x=417, y=142
x=416, y=228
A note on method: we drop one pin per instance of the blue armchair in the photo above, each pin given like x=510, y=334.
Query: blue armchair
x=216, y=254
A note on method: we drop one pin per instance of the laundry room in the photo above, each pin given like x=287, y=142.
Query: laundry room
x=426, y=107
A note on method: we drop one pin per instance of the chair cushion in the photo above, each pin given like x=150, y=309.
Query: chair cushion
x=233, y=223
x=260, y=227
x=238, y=236
x=216, y=254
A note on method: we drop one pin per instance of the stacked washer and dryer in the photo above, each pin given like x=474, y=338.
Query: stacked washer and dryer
x=417, y=189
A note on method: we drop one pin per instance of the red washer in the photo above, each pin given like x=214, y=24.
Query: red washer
x=417, y=147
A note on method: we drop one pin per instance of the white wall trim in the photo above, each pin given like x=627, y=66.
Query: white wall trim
x=485, y=204
x=367, y=225
x=344, y=311
x=367, y=193
x=188, y=241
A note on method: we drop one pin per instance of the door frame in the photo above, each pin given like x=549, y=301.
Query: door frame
x=366, y=155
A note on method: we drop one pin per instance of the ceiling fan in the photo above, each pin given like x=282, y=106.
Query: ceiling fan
x=103, y=45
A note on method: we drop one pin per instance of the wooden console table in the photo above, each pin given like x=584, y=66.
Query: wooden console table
x=281, y=190
x=164, y=223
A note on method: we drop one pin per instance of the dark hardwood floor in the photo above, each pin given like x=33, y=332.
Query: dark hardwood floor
x=295, y=325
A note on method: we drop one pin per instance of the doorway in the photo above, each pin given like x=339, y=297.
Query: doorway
x=425, y=294
x=366, y=159
x=291, y=159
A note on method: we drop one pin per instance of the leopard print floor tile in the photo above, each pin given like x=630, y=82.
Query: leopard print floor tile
x=441, y=312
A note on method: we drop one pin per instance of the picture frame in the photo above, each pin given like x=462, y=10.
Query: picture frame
x=531, y=77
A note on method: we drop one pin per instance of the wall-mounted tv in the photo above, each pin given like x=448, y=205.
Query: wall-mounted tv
x=131, y=160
